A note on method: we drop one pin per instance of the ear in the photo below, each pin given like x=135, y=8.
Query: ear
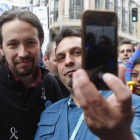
x=40, y=49
x=45, y=60
x=41, y=42
x=1, y=51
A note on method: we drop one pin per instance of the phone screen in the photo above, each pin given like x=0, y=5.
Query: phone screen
x=100, y=50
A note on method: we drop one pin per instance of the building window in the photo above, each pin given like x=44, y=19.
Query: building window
x=53, y=36
x=117, y=9
x=99, y=4
x=76, y=2
x=76, y=8
x=54, y=11
x=109, y=5
x=36, y=2
x=44, y=2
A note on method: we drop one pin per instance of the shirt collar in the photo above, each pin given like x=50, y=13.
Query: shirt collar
x=69, y=101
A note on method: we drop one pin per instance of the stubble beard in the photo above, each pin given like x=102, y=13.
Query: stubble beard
x=70, y=81
x=25, y=71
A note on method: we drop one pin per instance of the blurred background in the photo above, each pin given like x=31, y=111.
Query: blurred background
x=67, y=13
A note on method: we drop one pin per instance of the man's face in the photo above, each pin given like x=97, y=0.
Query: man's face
x=51, y=62
x=125, y=52
x=136, y=78
x=21, y=46
x=68, y=57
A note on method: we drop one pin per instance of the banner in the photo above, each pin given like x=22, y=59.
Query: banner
x=42, y=14
x=5, y=6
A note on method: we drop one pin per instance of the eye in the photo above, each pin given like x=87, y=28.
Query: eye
x=122, y=51
x=77, y=52
x=60, y=58
x=12, y=44
x=134, y=74
x=54, y=60
x=129, y=50
x=30, y=42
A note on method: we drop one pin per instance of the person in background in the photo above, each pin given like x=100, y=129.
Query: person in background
x=135, y=76
x=1, y=58
x=24, y=91
x=88, y=114
x=126, y=50
x=133, y=70
x=49, y=61
x=49, y=58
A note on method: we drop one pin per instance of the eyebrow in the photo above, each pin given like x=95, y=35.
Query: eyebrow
x=134, y=70
x=31, y=38
x=15, y=40
x=12, y=40
x=75, y=47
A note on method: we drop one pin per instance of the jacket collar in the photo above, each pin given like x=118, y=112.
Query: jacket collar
x=7, y=78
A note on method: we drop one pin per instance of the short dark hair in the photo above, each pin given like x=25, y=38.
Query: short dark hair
x=21, y=14
x=66, y=32
x=49, y=49
x=128, y=42
x=137, y=61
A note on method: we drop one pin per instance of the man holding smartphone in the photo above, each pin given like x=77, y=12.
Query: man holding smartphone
x=108, y=119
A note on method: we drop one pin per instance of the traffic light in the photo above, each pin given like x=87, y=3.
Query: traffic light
x=134, y=14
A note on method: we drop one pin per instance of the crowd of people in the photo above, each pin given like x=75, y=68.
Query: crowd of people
x=59, y=102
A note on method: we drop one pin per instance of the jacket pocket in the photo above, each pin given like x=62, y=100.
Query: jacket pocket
x=47, y=127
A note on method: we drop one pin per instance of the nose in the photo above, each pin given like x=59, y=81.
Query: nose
x=22, y=51
x=125, y=53
x=69, y=60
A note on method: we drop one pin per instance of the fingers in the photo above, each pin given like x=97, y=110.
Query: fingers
x=88, y=96
x=83, y=88
x=77, y=90
x=121, y=71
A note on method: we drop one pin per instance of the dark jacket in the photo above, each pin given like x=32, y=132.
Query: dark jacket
x=18, y=115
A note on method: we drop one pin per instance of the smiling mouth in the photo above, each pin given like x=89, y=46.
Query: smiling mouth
x=27, y=61
x=125, y=58
x=23, y=64
x=138, y=86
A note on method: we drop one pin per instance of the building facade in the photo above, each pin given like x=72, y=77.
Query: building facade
x=138, y=24
x=67, y=13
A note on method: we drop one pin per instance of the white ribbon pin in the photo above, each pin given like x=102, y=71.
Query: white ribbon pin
x=43, y=94
x=13, y=132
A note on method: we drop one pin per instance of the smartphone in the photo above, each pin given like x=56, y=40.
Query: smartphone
x=99, y=45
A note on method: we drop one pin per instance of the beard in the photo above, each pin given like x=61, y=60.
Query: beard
x=22, y=71
x=70, y=81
